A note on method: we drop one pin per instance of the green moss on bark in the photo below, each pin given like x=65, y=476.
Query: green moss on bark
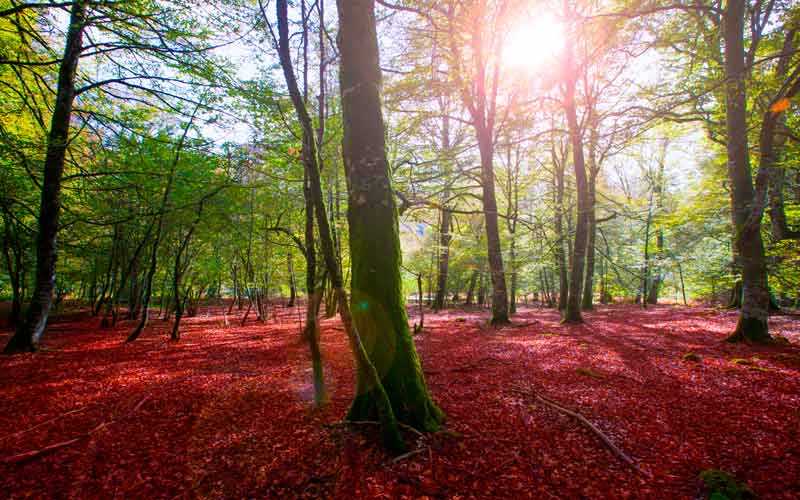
x=750, y=329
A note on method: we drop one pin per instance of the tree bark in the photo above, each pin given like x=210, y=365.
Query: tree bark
x=591, y=219
x=558, y=225
x=378, y=394
x=13, y=252
x=292, y=286
x=29, y=335
x=471, y=288
x=573, y=311
x=444, y=260
x=378, y=301
x=752, y=324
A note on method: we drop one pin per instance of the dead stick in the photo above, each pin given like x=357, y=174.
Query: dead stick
x=603, y=437
x=43, y=423
x=407, y=455
x=28, y=455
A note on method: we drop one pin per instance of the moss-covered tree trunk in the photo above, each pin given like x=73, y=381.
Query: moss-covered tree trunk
x=369, y=383
x=749, y=247
x=378, y=304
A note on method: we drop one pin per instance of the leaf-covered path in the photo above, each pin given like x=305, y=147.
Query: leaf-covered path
x=225, y=413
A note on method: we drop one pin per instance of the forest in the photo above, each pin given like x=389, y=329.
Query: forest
x=381, y=249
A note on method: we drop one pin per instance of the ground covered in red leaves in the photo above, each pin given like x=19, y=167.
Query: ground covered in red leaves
x=225, y=413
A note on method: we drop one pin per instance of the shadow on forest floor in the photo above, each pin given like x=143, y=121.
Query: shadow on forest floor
x=226, y=411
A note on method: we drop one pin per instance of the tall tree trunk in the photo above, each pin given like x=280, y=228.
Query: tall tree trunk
x=28, y=336
x=495, y=254
x=292, y=285
x=558, y=225
x=745, y=212
x=658, y=193
x=445, y=217
x=179, y=269
x=588, y=284
x=12, y=252
x=314, y=288
x=772, y=142
x=311, y=332
x=397, y=391
x=645, y=284
x=471, y=288
x=379, y=310
x=444, y=259
x=513, y=258
x=573, y=311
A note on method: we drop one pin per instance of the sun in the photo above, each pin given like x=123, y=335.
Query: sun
x=533, y=43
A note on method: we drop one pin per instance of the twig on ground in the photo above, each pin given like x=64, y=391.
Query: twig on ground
x=18, y=433
x=603, y=437
x=404, y=456
x=29, y=455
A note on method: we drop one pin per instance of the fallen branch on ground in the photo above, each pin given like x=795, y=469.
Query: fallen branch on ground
x=18, y=433
x=603, y=437
x=29, y=455
x=409, y=454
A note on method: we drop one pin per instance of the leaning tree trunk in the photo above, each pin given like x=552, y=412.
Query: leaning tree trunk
x=752, y=324
x=378, y=302
x=28, y=336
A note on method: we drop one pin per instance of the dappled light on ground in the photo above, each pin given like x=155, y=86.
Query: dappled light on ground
x=225, y=413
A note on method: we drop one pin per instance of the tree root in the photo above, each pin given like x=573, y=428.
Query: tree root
x=603, y=437
x=345, y=423
x=30, y=455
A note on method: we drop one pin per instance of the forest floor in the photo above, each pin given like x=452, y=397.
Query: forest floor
x=225, y=413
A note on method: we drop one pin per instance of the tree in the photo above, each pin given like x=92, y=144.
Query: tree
x=29, y=334
x=747, y=202
x=479, y=81
x=378, y=303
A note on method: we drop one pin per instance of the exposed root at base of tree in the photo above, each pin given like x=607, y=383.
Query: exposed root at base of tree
x=345, y=423
x=30, y=455
x=530, y=392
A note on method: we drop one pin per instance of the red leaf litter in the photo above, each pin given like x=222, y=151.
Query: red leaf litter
x=225, y=413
